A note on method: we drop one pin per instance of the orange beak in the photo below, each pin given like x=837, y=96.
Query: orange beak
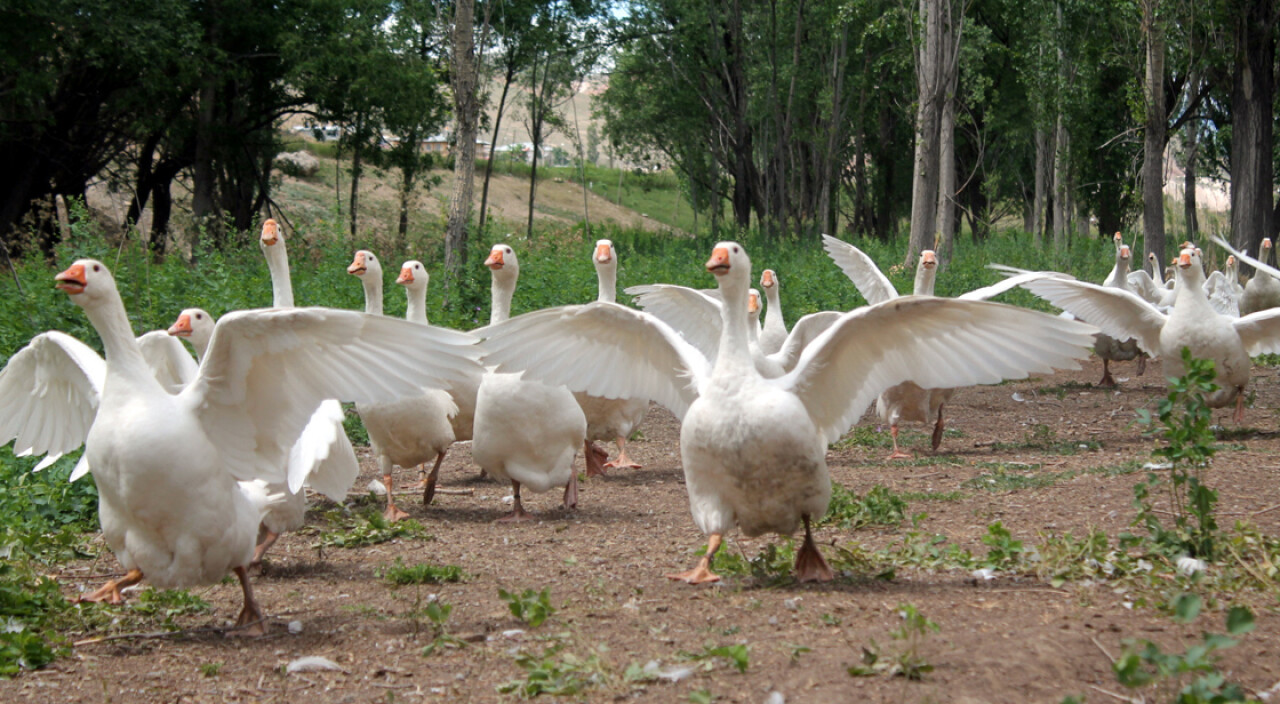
x=357, y=265
x=719, y=262
x=928, y=258
x=270, y=232
x=753, y=304
x=1266, y=243
x=767, y=278
x=72, y=280
x=603, y=255
x=1231, y=260
x=1117, y=237
x=405, y=277
x=494, y=261
x=182, y=327
x=1124, y=251
x=1184, y=260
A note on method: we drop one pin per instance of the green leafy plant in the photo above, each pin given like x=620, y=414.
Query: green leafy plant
x=879, y=507
x=739, y=656
x=22, y=649
x=529, y=606
x=401, y=574
x=437, y=613
x=554, y=673
x=211, y=669
x=1144, y=664
x=1184, y=420
x=373, y=530
x=904, y=658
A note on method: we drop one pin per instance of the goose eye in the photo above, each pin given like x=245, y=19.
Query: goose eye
x=199, y=317
x=735, y=250
x=97, y=268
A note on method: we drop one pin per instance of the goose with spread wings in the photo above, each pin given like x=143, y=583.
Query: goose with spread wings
x=754, y=448
x=174, y=471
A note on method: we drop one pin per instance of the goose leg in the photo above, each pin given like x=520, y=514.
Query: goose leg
x=269, y=538
x=429, y=485
x=1108, y=381
x=623, y=461
x=571, y=491
x=518, y=514
x=937, y=430
x=1239, y=417
x=251, y=622
x=1142, y=363
x=392, y=514
x=110, y=592
x=896, y=454
x=810, y=565
x=595, y=458
x=701, y=573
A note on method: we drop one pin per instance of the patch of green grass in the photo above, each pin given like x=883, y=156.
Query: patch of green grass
x=1011, y=477
x=771, y=567
x=401, y=574
x=847, y=510
x=372, y=530
x=168, y=603
x=910, y=496
x=738, y=655
x=1221, y=433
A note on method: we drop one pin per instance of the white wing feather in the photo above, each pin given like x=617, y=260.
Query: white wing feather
x=1116, y=312
x=322, y=457
x=603, y=349
x=1260, y=332
x=936, y=343
x=173, y=365
x=266, y=371
x=866, y=276
x=50, y=391
x=693, y=313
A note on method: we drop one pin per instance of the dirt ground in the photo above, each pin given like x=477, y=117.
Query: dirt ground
x=1004, y=640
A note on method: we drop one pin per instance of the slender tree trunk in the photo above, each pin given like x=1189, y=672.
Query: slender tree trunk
x=356, y=166
x=1253, y=90
x=1043, y=176
x=203, y=178
x=1061, y=209
x=1189, y=180
x=535, y=137
x=946, y=227
x=466, y=110
x=1156, y=127
x=493, y=144
x=924, y=179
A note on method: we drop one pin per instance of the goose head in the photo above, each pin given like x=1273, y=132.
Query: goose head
x=605, y=255
x=753, y=304
x=1189, y=269
x=87, y=281
x=270, y=233
x=196, y=326
x=413, y=275
x=768, y=279
x=1265, y=252
x=1118, y=239
x=926, y=273
x=502, y=261
x=365, y=264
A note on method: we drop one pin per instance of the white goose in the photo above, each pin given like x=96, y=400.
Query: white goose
x=753, y=448
x=1261, y=292
x=412, y=430
x=1110, y=349
x=1191, y=323
x=608, y=418
x=167, y=465
x=322, y=458
x=774, y=333
x=526, y=432
x=907, y=401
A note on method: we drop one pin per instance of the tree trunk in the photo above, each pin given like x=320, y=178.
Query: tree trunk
x=493, y=144
x=1189, y=181
x=203, y=178
x=946, y=227
x=466, y=106
x=1253, y=89
x=356, y=166
x=1044, y=162
x=924, y=178
x=1154, y=139
x=1061, y=210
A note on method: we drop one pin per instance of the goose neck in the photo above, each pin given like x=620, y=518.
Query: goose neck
x=281, y=284
x=501, y=293
x=123, y=355
x=735, y=336
x=372, y=282
x=925, y=277
x=607, y=278
x=416, y=312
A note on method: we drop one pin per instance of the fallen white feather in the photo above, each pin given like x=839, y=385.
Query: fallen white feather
x=312, y=663
x=377, y=488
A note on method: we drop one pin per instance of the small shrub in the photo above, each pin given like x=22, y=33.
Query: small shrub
x=530, y=607
x=401, y=574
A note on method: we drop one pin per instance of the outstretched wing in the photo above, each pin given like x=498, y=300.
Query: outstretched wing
x=805, y=331
x=937, y=343
x=266, y=372
x=603, y=349
x=322, y=457
x=1013, y=281
x=1116, y=312
x=693, y=313
x=49, y=394
x=866, y=276
x=1260, y=331
x=169, y=359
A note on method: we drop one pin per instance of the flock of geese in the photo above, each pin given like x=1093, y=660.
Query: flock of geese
x=201, y=463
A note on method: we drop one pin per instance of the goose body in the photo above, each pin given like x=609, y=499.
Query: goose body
x=414, y=429
x=753, y=448
x=773, y=335
x=526, y=432
x=1262, y=291
x=1191, y=323
x=175, y=472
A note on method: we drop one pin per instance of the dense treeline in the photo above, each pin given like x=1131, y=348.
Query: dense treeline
x=793, y=117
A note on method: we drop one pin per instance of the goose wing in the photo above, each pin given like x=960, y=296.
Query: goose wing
x=169, y=359
x=805, y=331
x=1116, y=312
x=866, y=276
x=934, y=342
x=50, y=391
x=694, y=313
x=604, y=349
x=266, y=372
